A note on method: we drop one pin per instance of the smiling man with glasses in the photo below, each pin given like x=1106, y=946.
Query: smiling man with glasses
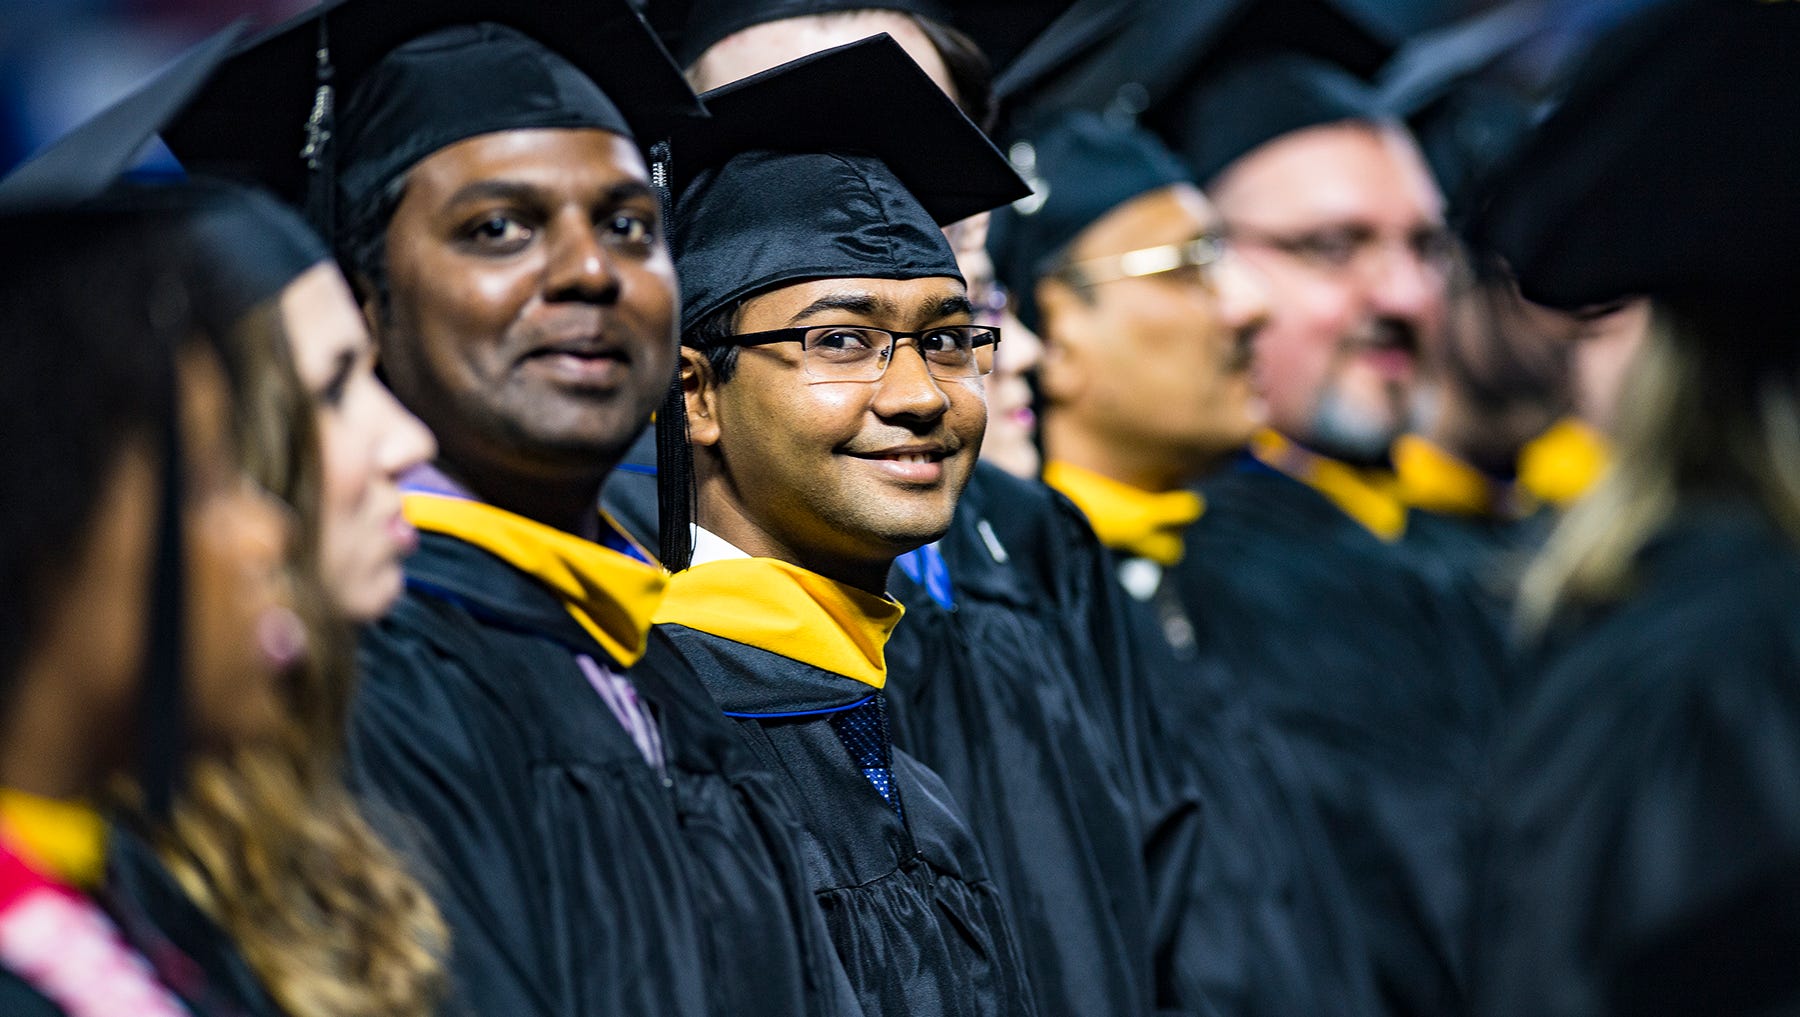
x=832, y=406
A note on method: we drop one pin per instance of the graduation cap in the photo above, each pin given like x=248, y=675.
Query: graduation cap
x=93, y=156
x=695, y=26
x=1441, y=86
x=1082, y=166
x=1668, y=169
x=1149, y=67
x=1079, y=30
x=333, y=105
x=843, y=164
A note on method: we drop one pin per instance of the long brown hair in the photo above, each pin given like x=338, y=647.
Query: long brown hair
x=267, y=839
x=1695, y=419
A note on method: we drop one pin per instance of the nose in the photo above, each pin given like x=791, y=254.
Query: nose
x=405, y=441
x=577, y=265
x=907, y=388
x=1406, y=286
x=1244, y=299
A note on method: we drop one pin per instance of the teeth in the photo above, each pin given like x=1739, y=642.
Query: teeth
x=914, y=457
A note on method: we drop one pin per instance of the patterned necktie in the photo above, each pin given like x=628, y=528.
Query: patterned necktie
x=864, y=731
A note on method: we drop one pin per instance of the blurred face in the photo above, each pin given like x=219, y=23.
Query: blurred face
x=774, y=43
x=836, y=476
x=1011, y=440
x=242, y=633
x=367, y=440
x=1346, y=225
x=1155, y=366
x=1605, y=347
x=531, y=324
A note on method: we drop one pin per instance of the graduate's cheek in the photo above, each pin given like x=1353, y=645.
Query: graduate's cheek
x=1293, y=355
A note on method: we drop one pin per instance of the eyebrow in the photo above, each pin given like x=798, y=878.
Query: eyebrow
x=868, y=305
x=521, y=193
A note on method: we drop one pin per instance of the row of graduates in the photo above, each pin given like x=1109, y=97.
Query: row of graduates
x=1234, y=762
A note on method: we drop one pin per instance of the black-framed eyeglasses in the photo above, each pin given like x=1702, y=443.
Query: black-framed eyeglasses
x=1201, y=253
x=863, y=352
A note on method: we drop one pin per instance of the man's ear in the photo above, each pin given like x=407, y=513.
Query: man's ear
x=700, y=390
x=1061, y=312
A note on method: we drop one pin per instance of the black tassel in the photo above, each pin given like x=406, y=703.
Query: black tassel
x=321, y=178
x=162, y=748
x=674, y=455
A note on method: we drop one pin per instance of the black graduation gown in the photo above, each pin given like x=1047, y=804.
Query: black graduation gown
x=916, y=919
x=575, y=878
x=1262, y=924
x=1023, y=697
x=156, y=918
x=1016, y=691
x=1645, y=852
x=1377, y=683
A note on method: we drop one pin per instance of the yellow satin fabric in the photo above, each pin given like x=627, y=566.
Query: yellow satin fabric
x=1563, y=463
x=1130, y=519
x=1433, y=479
x=613, y=596
x=786, y=610
x=1369, y=496
x=65, y=839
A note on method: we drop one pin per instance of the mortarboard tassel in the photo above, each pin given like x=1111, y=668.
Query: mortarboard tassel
x=321, y=180
x=674, y=455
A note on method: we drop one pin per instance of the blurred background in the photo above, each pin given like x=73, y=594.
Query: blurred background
x=62, y=60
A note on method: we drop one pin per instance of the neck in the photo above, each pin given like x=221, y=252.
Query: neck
x=865, y=573
x=570, y=505
x=1136, y=464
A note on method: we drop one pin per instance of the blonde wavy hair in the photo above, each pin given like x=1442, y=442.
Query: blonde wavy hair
x=1692, y=422
x=267, y=840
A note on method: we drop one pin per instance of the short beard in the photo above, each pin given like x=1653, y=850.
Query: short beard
x=1342, y=431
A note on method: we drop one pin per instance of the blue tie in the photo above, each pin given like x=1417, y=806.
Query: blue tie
x=864, y=731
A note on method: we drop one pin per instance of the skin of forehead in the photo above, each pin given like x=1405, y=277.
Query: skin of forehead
x=773, y=43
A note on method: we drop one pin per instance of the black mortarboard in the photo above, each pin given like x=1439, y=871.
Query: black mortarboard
x=1465, y=118
x=693, y=26
x=357, y=86
x=1081, y=166
x=96, y=153
x=843, y=163
x=1151, y=65
x=1255, y=101
x=1668, y=169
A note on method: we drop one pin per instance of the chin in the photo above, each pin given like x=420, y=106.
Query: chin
x=370, y=596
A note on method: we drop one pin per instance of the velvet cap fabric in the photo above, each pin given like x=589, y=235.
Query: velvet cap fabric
x=842, y=164
x=1081, y=166
x=407, y=79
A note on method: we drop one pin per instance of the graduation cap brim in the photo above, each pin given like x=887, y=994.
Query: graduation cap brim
x=1083, y=27
x=249, y=120
x=823, y=103
x=1164, y=47
x=1432, y=64
x=1667, y=169
x=93, y=156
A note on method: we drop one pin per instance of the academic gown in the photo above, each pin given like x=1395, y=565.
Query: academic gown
x=576, y=878
x=191, y=955
x=1012, y=678
x=1377, y=684
x=1255, y=920
x=1645, y=830
x=1471, y=528
x=916, y=917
